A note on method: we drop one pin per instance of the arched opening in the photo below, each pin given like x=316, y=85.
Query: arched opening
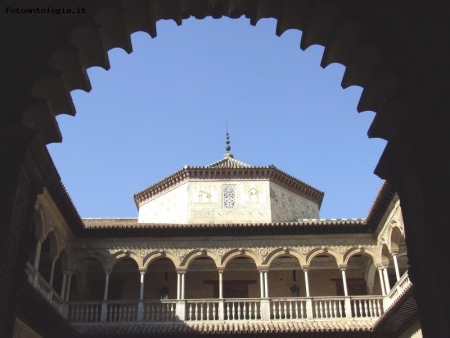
x=61, y=267
x=361, y=277
x=241, y=279
x=202, y=279
x=124, y=280
x=398, y=259
x=286, y=277
x=325, y=277
x=93, y=286
x=160, y=280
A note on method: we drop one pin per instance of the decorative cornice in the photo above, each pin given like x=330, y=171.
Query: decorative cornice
x=130, y=229
x=222, y=171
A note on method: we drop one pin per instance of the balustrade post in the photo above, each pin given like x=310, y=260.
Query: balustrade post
x=104, y=311
x=265, y=309
x=309, y=308
x=180, y=311
x=37, y=257
x=221, y=310
x=348, y=307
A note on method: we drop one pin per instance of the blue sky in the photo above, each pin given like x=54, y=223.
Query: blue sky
x=166, y=105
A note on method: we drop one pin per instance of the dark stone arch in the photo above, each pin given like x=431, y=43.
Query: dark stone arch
x=413, y=37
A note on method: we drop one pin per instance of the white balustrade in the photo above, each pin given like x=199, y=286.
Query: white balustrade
x=398, y=289
x=43, y=286
x=122, y=311
x=84, y=312
x=367, y=307
x=288, y=308
x=202, y=309
x=160, y=310
x=328, y=307
x=242, y=309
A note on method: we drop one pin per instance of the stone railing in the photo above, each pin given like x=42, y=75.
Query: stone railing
x=43, y=287
x=397, y=290
x=237, y=309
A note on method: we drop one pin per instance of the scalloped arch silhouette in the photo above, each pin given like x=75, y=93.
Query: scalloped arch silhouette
x=191, y=256
x=157, y=254
x=82, y=256
x=114, y=258
x=330, y=252
x=274, y=254
x=321, y=24
x=230, y=255
x=357, y=251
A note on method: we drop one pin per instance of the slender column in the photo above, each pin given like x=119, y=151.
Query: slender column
x=344, y=282
x=37, y=254
x=178, y=285
x=37, y=257
x=69, y=281
x=220, y=284
x=105, y=293
x=380, y=273
x=306, y=282
x=182, y=284
x=141, y=291
x=266, y=285
x=397, y=272
x=386, y=280
x=261, y=282
x=52, y=271
x=63, y=287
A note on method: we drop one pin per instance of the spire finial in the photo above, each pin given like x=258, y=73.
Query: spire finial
x=228, y=147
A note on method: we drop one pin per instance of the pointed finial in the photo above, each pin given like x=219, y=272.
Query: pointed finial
x=228, y=147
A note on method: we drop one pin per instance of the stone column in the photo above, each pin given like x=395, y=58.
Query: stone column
x=182, y=283
x=178, y=285
x=380, y=273
x=220, y=284
x=141, y=289
x=140, y=315
x=344, y=281
x=37, y=257
x=266, y=284
x=105, y=293
x=52, y=271
x=261, y=282
x=386, y=280
x=21, y=180
x=105, y=299
x=63, y=286
x=397, y=272
x=69, y=281
x=305, y=271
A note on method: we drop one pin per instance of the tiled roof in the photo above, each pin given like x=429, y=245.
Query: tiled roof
x=229, y=168
x=229, y=162
x=228, y=328
x=380, y=204
x=130, y=228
